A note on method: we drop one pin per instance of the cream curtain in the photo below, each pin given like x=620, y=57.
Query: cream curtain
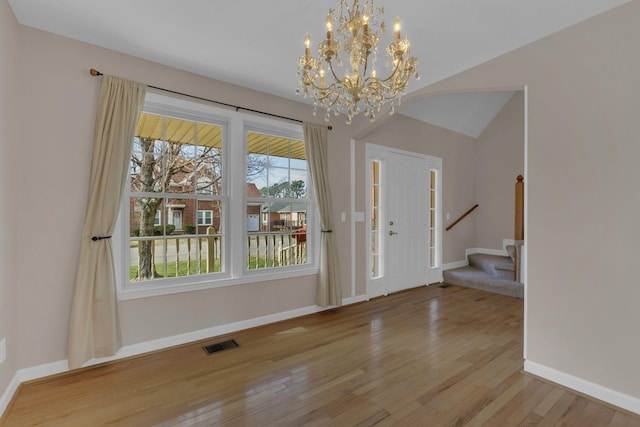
x=329, y=288
x=95, y=328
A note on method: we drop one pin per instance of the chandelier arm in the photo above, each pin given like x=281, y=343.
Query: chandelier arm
x=335, y=76
x=392, y=75
x=319, y=88
x=366, y=63
x=326, y=91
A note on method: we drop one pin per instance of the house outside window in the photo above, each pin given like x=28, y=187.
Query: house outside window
x=181, y=218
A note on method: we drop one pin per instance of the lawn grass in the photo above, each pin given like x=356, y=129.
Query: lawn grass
x=254, y=264
x=171, y=269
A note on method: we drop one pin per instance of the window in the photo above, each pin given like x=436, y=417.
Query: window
x=205, y=185
x=183, y=228
x=169, y=157
x=205, y=217
x=376, y=229
x=433, y=218
x=277, y=188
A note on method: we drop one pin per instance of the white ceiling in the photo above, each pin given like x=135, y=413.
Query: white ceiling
x=256, y=43
x=465, y=113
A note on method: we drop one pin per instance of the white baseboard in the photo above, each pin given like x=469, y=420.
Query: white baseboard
x=53, y=368
x=8, y=393
x=354, y=300
x=29, y=374
x=471, y=251
x=597, y=391
x=498, y=252
x=507, y=242
x=456, y=264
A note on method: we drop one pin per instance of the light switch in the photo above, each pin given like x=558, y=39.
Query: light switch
x=343, y=216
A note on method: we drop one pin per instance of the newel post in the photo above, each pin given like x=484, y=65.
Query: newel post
x=519, y=222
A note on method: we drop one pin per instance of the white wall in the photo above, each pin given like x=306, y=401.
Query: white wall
x=583, y=199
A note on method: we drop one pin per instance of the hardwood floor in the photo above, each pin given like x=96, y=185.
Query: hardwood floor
x=425, y=357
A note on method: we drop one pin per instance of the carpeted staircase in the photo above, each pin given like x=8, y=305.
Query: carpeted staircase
x=491, y=273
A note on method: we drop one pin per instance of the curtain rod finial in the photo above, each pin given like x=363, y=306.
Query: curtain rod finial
x=95, y=72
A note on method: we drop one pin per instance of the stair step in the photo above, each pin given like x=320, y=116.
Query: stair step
x=471, y=277
x=495, y=265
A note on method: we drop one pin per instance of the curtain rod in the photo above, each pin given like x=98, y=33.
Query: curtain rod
x=97, y=73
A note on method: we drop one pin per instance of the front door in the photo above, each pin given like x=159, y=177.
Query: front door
x=407, y=211
x=404, y=230
x=177, y=219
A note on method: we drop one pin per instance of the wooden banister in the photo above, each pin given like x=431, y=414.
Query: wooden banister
x=461, y=217
x=518, y=235
x=519, y=220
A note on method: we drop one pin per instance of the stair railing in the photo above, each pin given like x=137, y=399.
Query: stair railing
x=463, y=216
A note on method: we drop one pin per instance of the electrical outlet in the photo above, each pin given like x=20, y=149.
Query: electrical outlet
x=3, y=350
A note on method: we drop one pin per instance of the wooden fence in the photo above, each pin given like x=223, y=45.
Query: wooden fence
x=188, y=255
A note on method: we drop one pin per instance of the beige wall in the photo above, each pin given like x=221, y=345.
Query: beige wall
x=583, y=200
x=56, y=134
x=499, y=160
x=9, y=82
x=583, y=152
x=61, y=110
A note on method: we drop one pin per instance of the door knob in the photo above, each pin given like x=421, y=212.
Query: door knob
x=392, y=233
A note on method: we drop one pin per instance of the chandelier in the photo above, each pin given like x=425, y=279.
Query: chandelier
x=358, y=89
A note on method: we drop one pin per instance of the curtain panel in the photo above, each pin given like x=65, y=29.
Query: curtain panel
x=95, y=328
x=329, y=291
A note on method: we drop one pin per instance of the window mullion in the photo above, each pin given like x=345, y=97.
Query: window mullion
x=237, y=194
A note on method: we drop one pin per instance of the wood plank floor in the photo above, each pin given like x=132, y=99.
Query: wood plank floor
x=425, y=357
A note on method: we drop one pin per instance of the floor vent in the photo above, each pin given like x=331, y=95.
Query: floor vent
x=221, y=346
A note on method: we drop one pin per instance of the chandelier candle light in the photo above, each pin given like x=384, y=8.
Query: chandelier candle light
x=358, y=33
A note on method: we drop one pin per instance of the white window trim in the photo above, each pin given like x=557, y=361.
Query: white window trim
x=235, y=124
x=204, y=217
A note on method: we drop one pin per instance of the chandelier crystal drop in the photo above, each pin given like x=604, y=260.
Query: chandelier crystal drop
x=353, y=33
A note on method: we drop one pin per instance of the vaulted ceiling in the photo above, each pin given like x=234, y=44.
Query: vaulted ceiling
x=256, y=44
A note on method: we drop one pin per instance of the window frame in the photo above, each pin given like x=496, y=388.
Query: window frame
x=204, y=217
x=234, y=200
x=289, y=131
